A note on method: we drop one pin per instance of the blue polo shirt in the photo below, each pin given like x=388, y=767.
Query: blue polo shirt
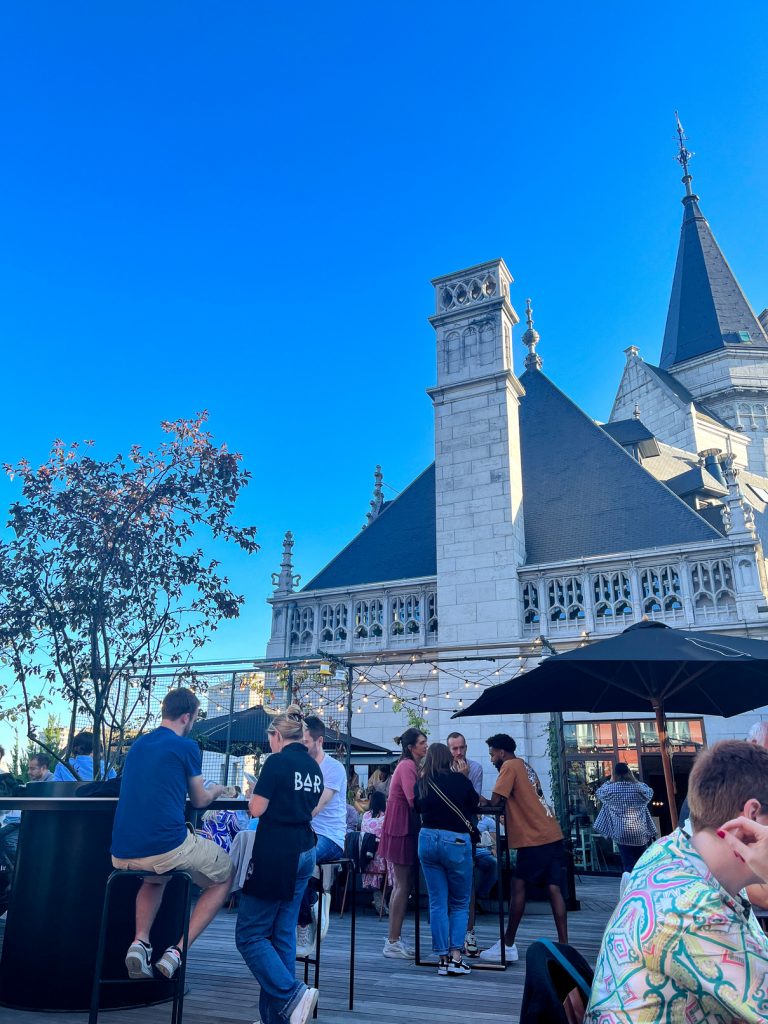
x=149, y=819
x=83, y=765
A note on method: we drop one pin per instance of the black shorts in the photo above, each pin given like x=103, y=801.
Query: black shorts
x=541, y=865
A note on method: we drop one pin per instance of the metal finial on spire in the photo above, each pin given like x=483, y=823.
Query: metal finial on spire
x=531, y=340
x=636, y=412
x=377, y=500
x=683, y=156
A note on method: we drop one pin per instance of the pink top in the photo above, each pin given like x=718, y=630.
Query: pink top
x=399, y=817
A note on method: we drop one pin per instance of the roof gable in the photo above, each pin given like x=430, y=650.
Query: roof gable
x=583, y=495
x=400, y=543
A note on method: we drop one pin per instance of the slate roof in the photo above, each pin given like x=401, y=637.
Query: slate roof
x=583, y=494
x=399, y=544
x=618, y=505
x=685, y=395
x=707, y=308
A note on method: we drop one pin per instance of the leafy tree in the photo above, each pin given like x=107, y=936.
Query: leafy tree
x=104, y=578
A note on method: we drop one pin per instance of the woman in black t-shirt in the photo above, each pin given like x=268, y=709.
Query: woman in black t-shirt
x=447, y=802
x=287, y=791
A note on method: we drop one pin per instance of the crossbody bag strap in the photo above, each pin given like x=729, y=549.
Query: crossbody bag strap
x=446, y=800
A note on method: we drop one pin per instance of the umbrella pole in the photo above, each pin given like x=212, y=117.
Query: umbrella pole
x=661, y=727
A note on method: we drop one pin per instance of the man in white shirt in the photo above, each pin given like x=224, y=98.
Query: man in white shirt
x=329, y=821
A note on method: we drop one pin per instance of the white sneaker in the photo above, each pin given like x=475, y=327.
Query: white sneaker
x=304, y=1008
x=305, y=940
x=493, y=953
x=169, y=962
x=398, y=950
x=138, y=961
x=470, y=943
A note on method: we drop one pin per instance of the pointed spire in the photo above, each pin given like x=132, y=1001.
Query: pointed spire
x=286, y=580
x=377, y=501
x=708, y=311
x=683, y=156
x=531, y=340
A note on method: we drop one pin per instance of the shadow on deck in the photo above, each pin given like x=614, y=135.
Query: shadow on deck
x=222, y=990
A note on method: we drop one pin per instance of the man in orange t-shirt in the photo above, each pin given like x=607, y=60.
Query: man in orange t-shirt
x=534, y=833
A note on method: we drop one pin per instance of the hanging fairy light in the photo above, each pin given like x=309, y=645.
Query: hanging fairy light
x=365, y=699
x=461, y=703
x=376, y=705
x=447, y=695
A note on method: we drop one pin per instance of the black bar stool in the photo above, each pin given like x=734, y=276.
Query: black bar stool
x=181, y=974
x=315, y=960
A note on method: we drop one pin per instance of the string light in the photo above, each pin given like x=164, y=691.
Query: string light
x=466, y=683
x=447, y=695
x=365, y=699
x=461, y=703
x=376, y=705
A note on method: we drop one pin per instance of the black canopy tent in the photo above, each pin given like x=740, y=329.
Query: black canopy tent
x=647, y=665
x=245, y=732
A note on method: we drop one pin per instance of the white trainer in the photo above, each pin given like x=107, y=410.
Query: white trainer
x=493, y=953
x=305, y=940
x=138, y=961
x=303, y=1010
x=169, y=962
x=397, y=950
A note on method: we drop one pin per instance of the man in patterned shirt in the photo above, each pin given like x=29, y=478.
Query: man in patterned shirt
x=682, y=947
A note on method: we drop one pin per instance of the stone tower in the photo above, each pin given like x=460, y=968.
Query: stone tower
x=480, y=535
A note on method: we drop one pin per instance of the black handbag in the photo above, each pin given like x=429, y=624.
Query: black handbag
x=470, y=826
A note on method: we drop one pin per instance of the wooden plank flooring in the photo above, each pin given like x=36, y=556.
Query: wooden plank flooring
x=222, y=990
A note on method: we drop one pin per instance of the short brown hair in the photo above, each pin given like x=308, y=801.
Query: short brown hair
x=179, y=701
x=723, y=778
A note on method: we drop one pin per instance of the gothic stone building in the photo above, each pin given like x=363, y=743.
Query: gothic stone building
x=537, y=521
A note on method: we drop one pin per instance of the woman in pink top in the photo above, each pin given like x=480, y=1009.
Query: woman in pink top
x=398, y=844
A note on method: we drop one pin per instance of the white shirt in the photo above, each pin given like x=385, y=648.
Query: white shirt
x=332, y=820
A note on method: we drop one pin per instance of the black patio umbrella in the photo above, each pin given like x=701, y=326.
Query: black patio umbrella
x=245, y=732
x=649, y=664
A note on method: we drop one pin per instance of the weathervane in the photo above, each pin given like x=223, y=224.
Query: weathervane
x=683, y=156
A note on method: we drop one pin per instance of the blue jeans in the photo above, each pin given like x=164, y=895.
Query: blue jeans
x=325, y=851
x=266, y=938
x=485, y=863
x=446, y=859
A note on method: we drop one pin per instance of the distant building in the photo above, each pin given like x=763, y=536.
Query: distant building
x=536, y=520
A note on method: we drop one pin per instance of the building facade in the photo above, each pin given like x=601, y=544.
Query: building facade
x=536, y=525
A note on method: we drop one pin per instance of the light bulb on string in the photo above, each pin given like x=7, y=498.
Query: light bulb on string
x=466, y=684
x=360, y=711
x=461, y=703
x=426, y=711
x=447, y=695
x=365, y=699
x=376, y=705
x=477, y=685
x=424, y=700
x=434, y=670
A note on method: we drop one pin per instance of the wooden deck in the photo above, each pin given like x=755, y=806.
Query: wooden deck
x=222, y=990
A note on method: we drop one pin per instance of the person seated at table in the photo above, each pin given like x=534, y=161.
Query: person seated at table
x=682, y=944
x=79, y=767
x=376, y=869
x=485, y=859
x=40, y=768
x=150, y=833
x=220, y=827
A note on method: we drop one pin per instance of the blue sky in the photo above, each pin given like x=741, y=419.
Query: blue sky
x=239, y=207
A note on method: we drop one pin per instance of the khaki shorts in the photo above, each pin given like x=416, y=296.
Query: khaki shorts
x=206, y=862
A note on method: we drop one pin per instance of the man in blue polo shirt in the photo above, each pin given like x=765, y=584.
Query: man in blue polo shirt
x=150, y=833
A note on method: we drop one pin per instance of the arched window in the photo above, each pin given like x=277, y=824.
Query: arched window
x=613, y=599
x=333, y=622
x=713, y=591
x=531, y=614
x=661, y=593
x=302, y=626
x=369, y=619
x=404, y=615
x=565, y=603
x=432, y=614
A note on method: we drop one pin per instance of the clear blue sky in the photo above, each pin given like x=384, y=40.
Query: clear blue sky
x=239, y=207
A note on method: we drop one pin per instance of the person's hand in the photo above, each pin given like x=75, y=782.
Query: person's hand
x=749, y=842
x=460, y=765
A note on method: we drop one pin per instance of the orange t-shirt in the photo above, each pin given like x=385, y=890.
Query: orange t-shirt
x=527, y=821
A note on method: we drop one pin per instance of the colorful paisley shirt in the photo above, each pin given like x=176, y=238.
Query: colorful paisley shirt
x=678, y=948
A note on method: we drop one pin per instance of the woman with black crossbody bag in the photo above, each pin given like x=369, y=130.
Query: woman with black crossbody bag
x=447, y=802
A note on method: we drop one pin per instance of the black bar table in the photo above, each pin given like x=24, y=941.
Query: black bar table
x=62, y=867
